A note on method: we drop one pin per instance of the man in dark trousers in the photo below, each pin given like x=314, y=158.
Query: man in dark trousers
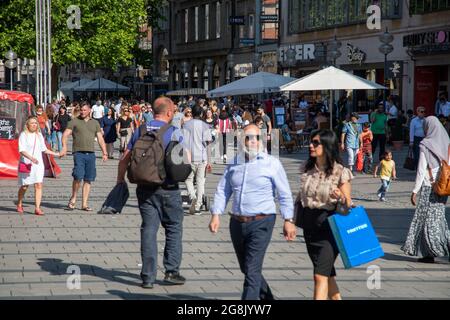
x=252, y=179
x=159, y=205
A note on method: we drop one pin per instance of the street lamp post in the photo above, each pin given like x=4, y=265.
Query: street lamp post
x=334, y=53
x=386, y=48
x=230, y=65
x=11, y=63
x=333, y=50
x=256, y=62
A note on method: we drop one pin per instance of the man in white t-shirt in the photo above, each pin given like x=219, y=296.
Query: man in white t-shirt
x=98, y=111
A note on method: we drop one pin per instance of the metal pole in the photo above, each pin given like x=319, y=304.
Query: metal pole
x=385, y=80
x=44, y=49
x=331, y=110
x=49, y=43
x=37, y=64
x=41, y=79
x=11, y=75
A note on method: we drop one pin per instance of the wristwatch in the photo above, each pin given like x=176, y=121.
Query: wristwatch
x=289, y=220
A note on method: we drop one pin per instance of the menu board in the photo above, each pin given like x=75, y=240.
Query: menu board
x=7, y=128
x=299, y=115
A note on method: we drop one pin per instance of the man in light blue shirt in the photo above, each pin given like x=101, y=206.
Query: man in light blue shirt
x=350, y=139
x=252, y=180
x=416, y=134
x=442, y=106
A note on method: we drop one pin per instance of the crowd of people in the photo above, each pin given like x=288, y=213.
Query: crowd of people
x=251, y=179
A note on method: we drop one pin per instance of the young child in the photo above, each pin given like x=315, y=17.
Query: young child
x=366, y=138
x=387, y=174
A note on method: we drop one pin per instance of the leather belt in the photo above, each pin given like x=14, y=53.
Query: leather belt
x=245, y=219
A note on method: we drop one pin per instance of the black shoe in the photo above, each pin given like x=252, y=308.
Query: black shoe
x=426, y=260
x=174, y=279
x=147, y=285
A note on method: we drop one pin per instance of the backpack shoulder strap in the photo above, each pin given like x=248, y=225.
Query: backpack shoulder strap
x=142, y=130
x=163, y=130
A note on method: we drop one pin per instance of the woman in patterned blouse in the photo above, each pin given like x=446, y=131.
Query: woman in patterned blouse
x=324, y=189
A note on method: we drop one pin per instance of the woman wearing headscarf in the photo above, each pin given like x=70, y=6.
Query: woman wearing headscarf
x=428, y=234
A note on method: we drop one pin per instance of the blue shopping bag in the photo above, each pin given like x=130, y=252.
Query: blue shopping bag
x=355, y=238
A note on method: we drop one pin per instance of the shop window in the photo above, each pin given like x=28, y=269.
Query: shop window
x=196, y=23
x=305, y=15
x=206, y=21
x=428, y=6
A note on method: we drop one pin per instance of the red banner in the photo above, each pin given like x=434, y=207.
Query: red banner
x=9, y=161
x=16, y=96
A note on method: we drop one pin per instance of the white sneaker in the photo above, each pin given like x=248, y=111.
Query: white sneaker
x=383, y=199
x=379, y=195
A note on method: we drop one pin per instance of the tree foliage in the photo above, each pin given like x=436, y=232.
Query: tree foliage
x=108, y=36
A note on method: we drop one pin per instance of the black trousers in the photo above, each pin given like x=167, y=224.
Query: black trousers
x=379, y=139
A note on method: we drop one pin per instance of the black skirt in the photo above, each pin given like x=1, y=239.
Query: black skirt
x=320, y=243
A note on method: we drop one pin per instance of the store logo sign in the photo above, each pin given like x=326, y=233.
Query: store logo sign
x=303, y=52
x=355, y=54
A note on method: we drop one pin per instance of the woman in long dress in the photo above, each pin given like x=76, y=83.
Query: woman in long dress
x=429, y=235
x=31, y=147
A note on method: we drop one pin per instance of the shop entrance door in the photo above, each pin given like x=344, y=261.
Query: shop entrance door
x=426, y=88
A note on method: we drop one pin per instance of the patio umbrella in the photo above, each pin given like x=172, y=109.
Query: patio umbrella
x=331, y=78
x=260, y=82
x=101, y=85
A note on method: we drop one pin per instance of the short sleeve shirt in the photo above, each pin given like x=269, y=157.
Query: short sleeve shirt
x=379, y=125
x=316, y=187
x=84, y=133
x=266, y=121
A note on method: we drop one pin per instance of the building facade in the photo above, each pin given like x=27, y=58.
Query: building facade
x=417, y=68
x=205, y=44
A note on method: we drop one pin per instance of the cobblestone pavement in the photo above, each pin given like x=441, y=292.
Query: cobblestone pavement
x=36, y=252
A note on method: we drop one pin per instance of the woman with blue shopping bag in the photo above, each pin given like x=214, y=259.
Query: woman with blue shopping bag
x=325, y=187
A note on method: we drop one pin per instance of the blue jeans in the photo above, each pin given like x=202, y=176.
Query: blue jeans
x=59, y=135
x=54, y=139
x=250, y=242
x=384, y=187
x=160, y=207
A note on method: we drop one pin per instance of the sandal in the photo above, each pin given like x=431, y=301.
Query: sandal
x=71, y=205
x=87, y=209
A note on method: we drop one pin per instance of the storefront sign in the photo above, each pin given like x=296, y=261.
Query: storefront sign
x=7, y=128
x=395, y=69
x=428, y=42
x=236, y=20
x=246, y=41
x=269, y=18
x=302, y=52
x=355, y=54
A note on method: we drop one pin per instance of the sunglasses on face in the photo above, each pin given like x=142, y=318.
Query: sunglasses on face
x=252, y=137
x=316, y=143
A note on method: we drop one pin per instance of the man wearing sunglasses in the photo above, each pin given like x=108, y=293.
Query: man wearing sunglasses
x=416, y=134
x=252, y=179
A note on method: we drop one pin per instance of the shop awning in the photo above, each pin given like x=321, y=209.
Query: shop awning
x=331, y=78
x=260, y=82
x=187, y=92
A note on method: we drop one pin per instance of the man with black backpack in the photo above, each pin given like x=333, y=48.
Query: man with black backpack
x=158, y=193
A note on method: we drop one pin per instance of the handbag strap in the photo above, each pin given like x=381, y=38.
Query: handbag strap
x=34, y=146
